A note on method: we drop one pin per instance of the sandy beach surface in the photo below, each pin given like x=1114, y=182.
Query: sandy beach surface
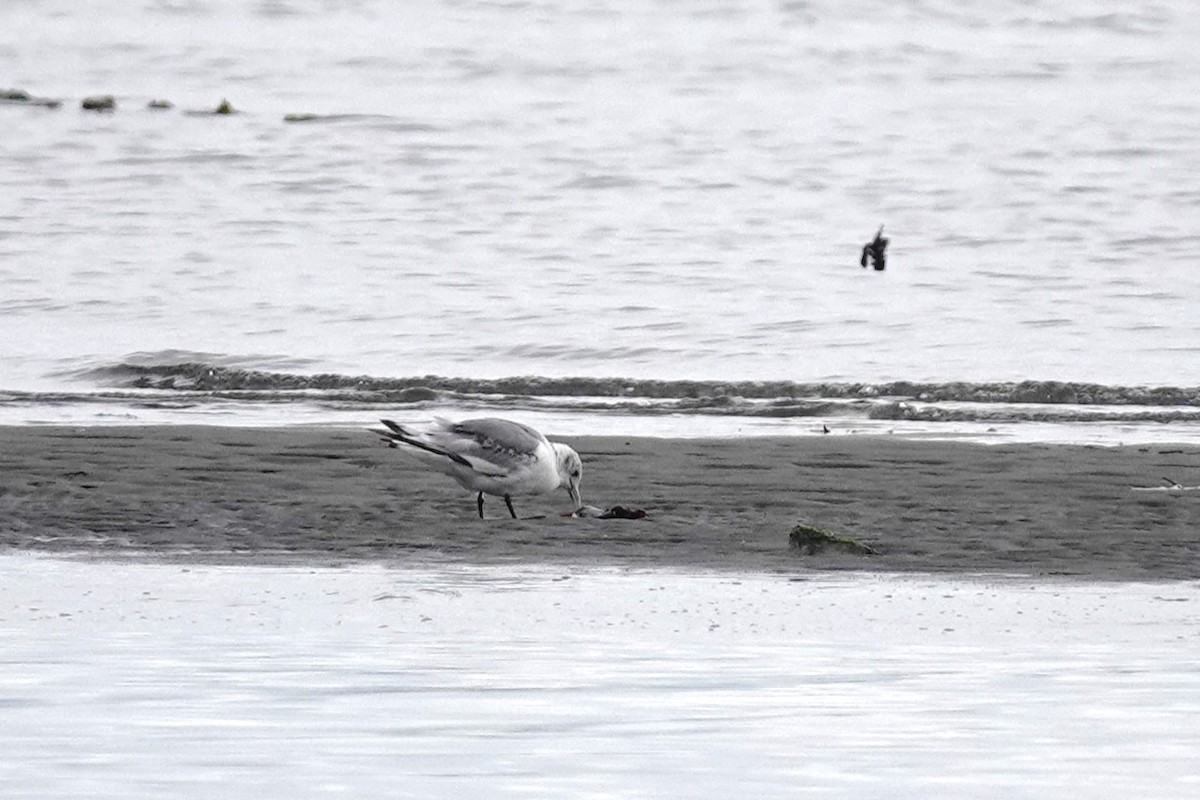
x=332, y=495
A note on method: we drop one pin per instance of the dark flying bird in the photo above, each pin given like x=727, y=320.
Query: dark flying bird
x=876, y=251
x=491, y=456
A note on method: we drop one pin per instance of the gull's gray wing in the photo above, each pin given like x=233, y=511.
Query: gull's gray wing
x=502, y=444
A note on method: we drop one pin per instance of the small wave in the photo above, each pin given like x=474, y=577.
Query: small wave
x=602, y=181
x=184, y=361
x=174, y=370
x=219, y=388
x=168, y=380
x=381, y=121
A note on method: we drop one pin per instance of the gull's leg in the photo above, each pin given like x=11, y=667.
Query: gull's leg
x=508, y=502
x=479, y=501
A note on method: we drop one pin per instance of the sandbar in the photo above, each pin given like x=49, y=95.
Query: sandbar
x=335, y=495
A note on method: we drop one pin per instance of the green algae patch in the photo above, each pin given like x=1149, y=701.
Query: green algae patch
x=811, y=540
x=223, y=109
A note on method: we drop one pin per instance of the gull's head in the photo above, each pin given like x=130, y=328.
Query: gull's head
x=570, y=472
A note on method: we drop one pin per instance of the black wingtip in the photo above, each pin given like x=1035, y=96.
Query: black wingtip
x=397, y=433
x=387, y=437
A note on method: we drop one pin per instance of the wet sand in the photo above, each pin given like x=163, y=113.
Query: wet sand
x=335, y=495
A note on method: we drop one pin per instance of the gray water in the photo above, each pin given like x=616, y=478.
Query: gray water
x=651, y=190
x=163, y=681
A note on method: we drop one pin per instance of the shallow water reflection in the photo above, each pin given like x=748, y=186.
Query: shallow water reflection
x=141, y=680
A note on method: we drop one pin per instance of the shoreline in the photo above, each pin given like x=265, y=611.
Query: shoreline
x=331, y=495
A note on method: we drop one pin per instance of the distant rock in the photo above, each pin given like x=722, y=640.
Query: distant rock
x=20, y=97
x=103, y=102
x=160, y=105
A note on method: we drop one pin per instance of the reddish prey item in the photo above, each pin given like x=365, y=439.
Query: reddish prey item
x=616, y=512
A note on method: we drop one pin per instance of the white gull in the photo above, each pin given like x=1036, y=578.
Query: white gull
x=491, y=456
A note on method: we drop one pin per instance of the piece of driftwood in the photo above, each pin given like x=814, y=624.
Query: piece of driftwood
x=811, y=540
